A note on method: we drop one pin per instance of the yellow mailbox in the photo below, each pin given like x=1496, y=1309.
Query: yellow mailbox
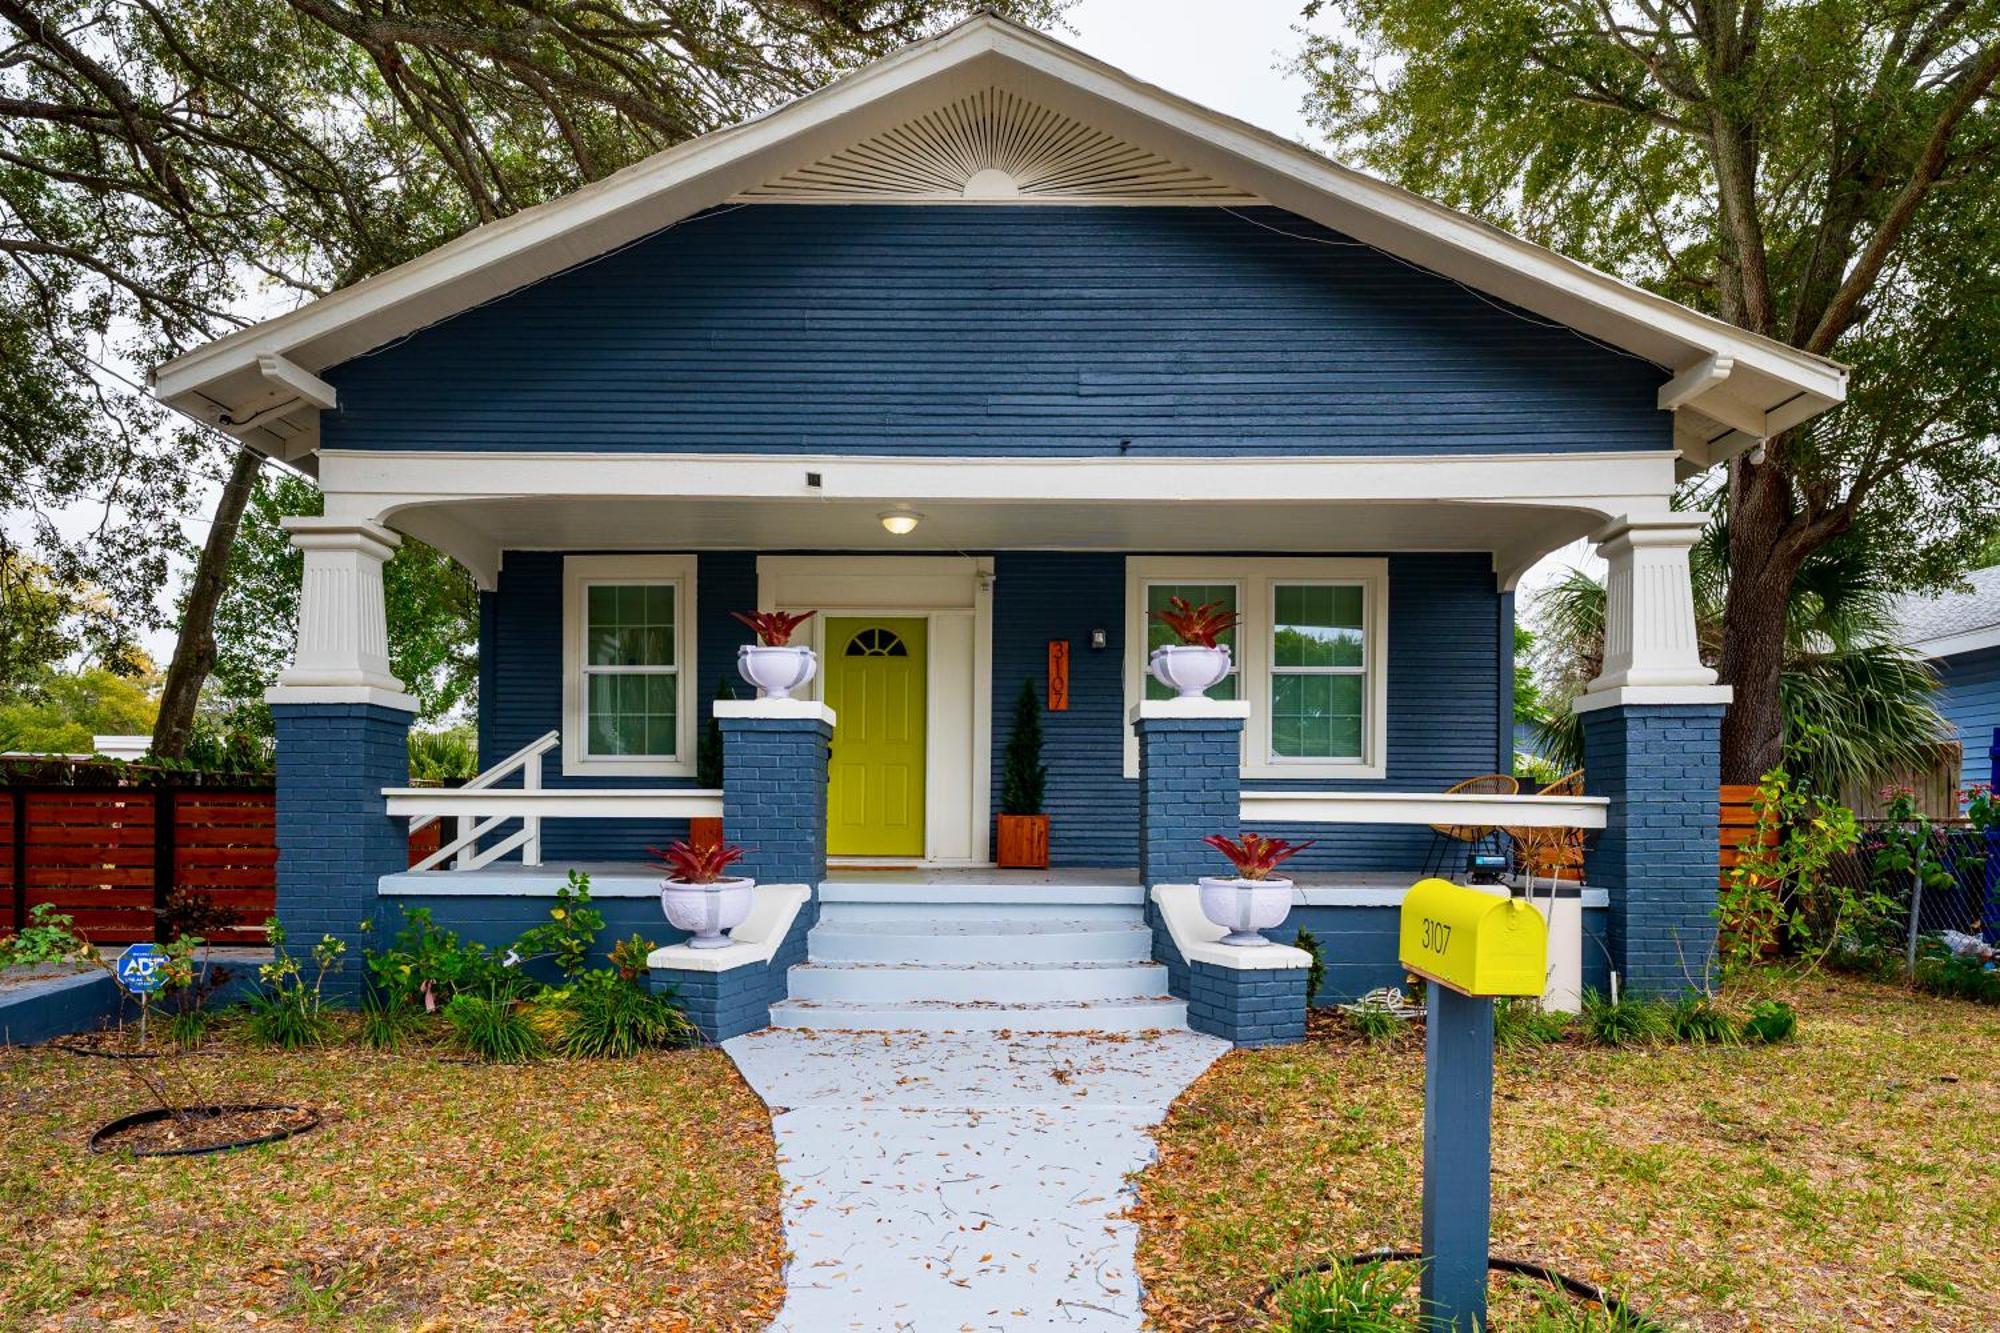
x=1475, y=943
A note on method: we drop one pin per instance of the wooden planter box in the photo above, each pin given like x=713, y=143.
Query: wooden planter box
x=1024, y=842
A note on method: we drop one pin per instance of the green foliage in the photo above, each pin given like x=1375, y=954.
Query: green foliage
x=1943, y=973
x=1908, y=858
x=289, y=1012
x=437, y=755
x=1316, y=973
x=1519, y=1023
x=569, y=932
x=34, y=636
x=387, y=1024
x=1378, y=1297
x=432, y=607
x=49, y=937
x=610, y=1018
x=60, y=713
x=1856, y=706
x=1024, y=780
x=1780, y=894
x=1697, y=1020
x=708, y=762
x=187, y=1027
x=427, y=965
x=1375, y=1022
x=1626, y=1021
x=1556, y=1312
x=494, y=1026
x=1769, y=1022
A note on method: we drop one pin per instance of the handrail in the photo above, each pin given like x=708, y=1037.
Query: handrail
x=534, y=749
x=558, y=802
x=1392, y=807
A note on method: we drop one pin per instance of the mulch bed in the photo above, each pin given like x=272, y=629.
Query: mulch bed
x=196, y=1130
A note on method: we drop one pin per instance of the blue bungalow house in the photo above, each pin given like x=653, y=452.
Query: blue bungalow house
x=983, y=352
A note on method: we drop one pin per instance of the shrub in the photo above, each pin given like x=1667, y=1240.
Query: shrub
x=1316, y=973
x=427, y=965
x=187, y=1027
x=386, y=1023
x=1376, y=1022
x=1024, y=780
x=1350, y=1298
x=288, y=1012
x=494, y=1027
x=1700, y=1021
x=1522, y=1022
x=1957, y=978
x=569, y=932
x=1626, y=1021
x=1780, y=894
x=1770, y=1022
x=613, y=1019
x=438, y=755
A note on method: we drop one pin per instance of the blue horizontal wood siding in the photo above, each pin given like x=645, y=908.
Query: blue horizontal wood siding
x=997, y=331
x=520, y=686
x=1969, y=697
x=1445, y=618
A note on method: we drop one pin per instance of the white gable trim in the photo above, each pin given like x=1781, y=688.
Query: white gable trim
x=1770, y=382
x=1950, y=645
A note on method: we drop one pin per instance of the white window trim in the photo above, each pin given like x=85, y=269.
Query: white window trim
x=1256, y=581
x=579, y=573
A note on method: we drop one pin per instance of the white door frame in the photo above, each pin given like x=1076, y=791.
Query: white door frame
x=953, y=595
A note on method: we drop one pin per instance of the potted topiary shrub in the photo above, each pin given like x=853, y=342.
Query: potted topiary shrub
x=1024, y=828
x=1197, y=663
x=774, y=664
x=699, y=896
x=1252, y=900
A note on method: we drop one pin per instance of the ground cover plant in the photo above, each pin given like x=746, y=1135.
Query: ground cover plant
x=1835, y=1177
x=436, y=1193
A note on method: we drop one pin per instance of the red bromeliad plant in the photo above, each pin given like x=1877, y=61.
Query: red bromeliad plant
x=698, y=865
x=1196, y=626
x=1254, y=855
x=774, y=628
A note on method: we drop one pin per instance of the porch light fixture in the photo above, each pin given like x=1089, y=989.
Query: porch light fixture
x=900, y=522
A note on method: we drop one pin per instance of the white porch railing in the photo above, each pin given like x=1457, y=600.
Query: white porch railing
x=479, y=807
x=1393, y=807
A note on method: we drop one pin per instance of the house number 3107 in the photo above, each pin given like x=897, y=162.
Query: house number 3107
x=1437, y=935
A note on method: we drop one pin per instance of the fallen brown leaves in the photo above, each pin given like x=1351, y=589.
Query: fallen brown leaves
x=621, y=1195
x=1846, y=1181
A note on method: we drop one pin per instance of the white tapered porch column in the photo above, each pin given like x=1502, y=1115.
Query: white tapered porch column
x=1651, y=745
x=343, y=644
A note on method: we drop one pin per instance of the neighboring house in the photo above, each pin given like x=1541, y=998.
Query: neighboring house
x=1960, y=633
x=984, y=347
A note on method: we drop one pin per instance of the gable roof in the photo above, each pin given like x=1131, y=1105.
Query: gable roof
x=1728, y=388
x=1943, y=624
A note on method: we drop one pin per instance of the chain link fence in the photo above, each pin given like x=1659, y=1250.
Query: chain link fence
x=1933, y=874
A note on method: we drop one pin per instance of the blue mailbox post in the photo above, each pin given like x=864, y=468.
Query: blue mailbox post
x=1471, y=947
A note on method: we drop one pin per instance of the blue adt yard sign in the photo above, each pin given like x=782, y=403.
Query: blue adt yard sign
x=142, y=969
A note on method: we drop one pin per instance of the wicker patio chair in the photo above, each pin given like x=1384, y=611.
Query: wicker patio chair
x=1452, y=843
x=1561, y=848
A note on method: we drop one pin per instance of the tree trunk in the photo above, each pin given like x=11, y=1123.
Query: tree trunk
x=1763, y=563
x=194, y=651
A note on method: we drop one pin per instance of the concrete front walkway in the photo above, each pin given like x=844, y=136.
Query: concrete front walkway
x=963, y=1180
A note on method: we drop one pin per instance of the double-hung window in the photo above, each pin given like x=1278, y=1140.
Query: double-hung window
x=1308, y=655
x=628, y=649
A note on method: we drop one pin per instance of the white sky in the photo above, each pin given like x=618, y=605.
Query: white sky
x=1229, y=57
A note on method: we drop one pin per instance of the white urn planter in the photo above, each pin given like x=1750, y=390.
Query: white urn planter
x=775, y=671
x=1245, y=907
x=1188, y=669
x=707, y=911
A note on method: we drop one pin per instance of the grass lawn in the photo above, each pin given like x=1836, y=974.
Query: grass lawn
x=1848, y=1180
x=438, y=1194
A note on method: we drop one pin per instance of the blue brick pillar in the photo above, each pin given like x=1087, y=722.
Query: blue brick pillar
x=1190, y=785
x=1658, y=856
x=774, y=754
x=334, y=840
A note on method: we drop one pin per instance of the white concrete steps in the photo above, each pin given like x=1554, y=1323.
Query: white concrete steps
x=914, y=939
x=902, y=954
x=1158, y=1013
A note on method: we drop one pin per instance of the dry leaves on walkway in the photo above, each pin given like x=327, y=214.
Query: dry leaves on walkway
x=1846, y=1181
x=624, y=1195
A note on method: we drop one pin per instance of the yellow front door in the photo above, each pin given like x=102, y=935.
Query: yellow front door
x=875, y=686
